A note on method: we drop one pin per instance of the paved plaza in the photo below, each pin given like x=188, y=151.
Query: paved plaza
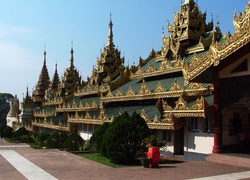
x=19, y=161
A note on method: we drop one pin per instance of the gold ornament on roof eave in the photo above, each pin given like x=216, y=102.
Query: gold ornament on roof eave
x=130, y=92
x=119, y=92
x=176, y=86
x=144, y=116
x=160, y=88
x=218, y=52
x=144, y=88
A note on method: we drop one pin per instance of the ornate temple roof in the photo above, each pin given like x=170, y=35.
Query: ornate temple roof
x=110, y=63
x=42, y=84
x=159, y=88
x=219, y=50
x=71, y=80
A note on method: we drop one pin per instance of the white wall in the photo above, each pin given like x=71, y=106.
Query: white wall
x=198, y=142
x=86, y=130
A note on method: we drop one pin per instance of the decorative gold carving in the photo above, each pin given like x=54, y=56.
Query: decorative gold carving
x=139, y=71
x=165, y=106
x=150, y=69
x=87, y=116
x=87, y=104
x=219, y=52
x=159, y=88
x=176, y=86
x=94, y=105
x=102, y=115
x=168, y=118
x=144, y=116
x=144, y=89
x=181, y=104
x=130, y=92
x=200, y=104
x=156, y=120
x=164, y=68
x=119, y=92
x=109, y=93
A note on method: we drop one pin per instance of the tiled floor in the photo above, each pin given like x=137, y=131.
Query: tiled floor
x=63, y=165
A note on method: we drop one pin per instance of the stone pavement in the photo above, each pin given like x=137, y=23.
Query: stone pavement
x=39, y=164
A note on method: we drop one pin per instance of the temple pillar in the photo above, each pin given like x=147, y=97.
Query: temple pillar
x=217, y=148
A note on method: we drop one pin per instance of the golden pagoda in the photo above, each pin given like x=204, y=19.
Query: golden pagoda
x=181, y=90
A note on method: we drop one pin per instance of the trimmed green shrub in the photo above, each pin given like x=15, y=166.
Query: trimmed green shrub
x=56, y=140
x=95, y=141
x=8, y=132
x=73, y=142
x=2, y=127
x=27, y=139
x=18, y=133
x=124, y=138
x=40, y=138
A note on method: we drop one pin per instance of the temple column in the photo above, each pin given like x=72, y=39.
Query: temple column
x=217, y=148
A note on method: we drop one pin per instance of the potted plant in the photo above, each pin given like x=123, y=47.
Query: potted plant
x=153, y=143
x=145, y=161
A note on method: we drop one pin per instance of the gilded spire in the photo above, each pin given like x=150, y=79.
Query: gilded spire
x=72, y=56
x=110, y=36
x=27, y=92
x=43, y=83
x=44, y=55
x=189, y=2
x=55, y=80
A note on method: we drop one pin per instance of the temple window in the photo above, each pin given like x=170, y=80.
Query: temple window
x=208, y=124
x=167, y=136
x=194, y=125
x=85, y=128
x=91, y=128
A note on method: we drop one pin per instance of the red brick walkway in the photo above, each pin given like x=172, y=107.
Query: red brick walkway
x=64, y=165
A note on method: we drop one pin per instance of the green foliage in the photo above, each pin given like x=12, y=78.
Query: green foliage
x=8, y=132
x=4, y=106
x=73, y=142
x=2, y=127
x=124, y=138
x=27, y=139
x=56, y=140
x=95, y=141
x=18, y=133
x=101, y=159
x=40, y=138
x=153, y=141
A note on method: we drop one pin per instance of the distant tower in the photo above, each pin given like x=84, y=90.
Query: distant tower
x=42, y=84
x=71, y=80
x=13, y=115
x=110, y=63
x=27, y=111
x=54, y=85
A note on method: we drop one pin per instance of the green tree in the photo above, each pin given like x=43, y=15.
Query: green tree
x=18, y=133
x=56, y=140
x=40, y=138
x=8, y=132
x=73, y=142
x=124, y=138
x=95, y=141
x=2, y=127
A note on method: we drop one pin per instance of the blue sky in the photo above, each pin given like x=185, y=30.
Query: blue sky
x=27, y=25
